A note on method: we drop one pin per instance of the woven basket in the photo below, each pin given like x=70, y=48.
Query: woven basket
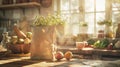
x=19, y=48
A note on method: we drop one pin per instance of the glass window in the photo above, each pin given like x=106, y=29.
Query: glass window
x=90, y=11
x=89, y=5
x=65, y=5
x=100, y=5
x=115, y=4
x=89, y=18
x=75, y=18
x=116, y=16
x=100, y=16
x=75, y=29
x=74, y=4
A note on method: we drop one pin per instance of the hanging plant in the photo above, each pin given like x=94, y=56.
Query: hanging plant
x=83, y=24
x=105, y=22
x=100, y=23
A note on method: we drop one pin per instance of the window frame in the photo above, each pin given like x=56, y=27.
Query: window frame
x=108, y=11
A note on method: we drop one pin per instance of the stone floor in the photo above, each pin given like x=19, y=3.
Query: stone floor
x=74, y=62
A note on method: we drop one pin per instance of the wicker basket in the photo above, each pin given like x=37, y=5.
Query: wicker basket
x=19, y=48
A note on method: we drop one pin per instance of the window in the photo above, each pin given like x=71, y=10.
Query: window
x=115, y=14
x=90, y=11
x=70, y=10
x=94, y=12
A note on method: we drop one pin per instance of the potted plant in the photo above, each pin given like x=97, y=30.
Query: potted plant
x=108, y=27
x=44, y=36
x=83, y=27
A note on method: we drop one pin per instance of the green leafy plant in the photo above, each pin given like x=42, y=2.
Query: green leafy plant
x=105, y=22
x=83, y=24
x=49, y=20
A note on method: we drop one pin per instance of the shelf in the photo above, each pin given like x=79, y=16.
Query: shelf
x=20, y=5
x=99, y=52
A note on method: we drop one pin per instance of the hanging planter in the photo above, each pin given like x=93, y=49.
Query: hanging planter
x=44, y=37
x=84, y=27
x=108, y=28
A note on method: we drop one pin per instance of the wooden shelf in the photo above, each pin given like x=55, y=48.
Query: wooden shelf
x=20, y=5
x=99, y=52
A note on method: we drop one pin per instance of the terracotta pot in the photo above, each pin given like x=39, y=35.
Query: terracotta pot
x=19, y=48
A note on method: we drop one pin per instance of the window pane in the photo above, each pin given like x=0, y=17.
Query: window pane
x=89, y=18
x=65, y=5
x=100, y=16
x=116, y=20
x=115, y=4
x=75, y=11
x=116, y=16
x=65, y=12
x=115, y=9
x=75, y=18
x=74, y=4
x=75, y=29
x=66, y=17
x=89, y=5
x=100, y=5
